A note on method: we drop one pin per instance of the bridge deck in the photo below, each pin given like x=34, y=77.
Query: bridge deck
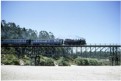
x=60, y=45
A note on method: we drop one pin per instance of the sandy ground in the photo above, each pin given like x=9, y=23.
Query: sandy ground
x=60, y=72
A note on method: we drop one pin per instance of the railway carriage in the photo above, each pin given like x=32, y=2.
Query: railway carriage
x=14, y=42
x=47, y=42
x=43, y=42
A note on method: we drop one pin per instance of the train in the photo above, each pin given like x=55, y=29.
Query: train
x=43, y=42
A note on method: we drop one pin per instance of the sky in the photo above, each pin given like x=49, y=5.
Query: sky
x=96, y=21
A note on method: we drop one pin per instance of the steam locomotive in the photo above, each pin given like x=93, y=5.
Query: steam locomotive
x=43, y=42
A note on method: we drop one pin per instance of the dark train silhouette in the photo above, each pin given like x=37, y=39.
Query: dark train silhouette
x=43, y=42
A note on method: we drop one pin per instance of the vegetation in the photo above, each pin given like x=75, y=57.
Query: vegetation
x=12, y=31
x=26, y=60
x=45, y=61
x=9, y=59
x=63, y=62
x=86, y=61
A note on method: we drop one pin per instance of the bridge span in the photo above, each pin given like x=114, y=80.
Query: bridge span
x=111, y=52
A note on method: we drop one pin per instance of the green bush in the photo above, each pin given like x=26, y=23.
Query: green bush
x=45, y=61
x=9, y=59
x=81, y=61
x=87, y=61
x=26, y=60
x=42, y=62
x=63, y=62
x=49, y=62
x=105, y=62
x=16, y=62
x=94, y=62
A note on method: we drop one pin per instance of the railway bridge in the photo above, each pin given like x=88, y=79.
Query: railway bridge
x=107, y=52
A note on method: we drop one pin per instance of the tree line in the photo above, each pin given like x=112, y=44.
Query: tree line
x=9, y=30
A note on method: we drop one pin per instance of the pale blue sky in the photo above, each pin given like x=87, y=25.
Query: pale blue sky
x=97, y=22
